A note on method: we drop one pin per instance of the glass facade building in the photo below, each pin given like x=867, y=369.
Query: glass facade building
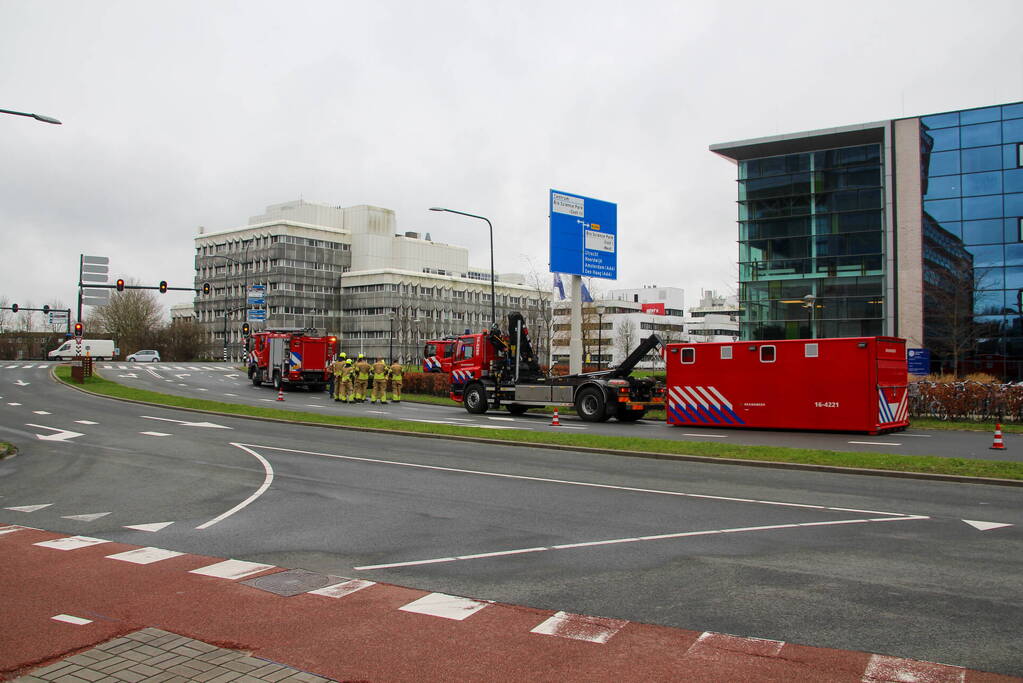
x=907, y=227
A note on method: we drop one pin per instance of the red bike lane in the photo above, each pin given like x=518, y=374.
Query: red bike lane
x=358, y=630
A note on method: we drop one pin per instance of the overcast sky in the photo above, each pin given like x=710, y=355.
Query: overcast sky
x=180, y=114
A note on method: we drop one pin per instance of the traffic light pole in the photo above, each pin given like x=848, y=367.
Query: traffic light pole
x=16, y=308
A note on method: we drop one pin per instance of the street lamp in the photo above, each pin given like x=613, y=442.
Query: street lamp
x=37, y=117
x=809, y=302
x=600, y=336
x=244, y=291
x=390, y=342
x=493, y=297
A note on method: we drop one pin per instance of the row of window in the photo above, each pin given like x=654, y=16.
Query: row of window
x=802, y=226
x=974, y=184
x=978, y=135
x=823, y=159
x=975, y=208
x=807, y=183
x=977, y=160
x=969, y=116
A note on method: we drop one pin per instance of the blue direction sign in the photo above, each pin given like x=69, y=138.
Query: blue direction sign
x=256, y=315
x=257, y=295
x=584, y=236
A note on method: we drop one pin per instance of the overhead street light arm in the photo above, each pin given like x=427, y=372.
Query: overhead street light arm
x=493, y=295
x=37, y=117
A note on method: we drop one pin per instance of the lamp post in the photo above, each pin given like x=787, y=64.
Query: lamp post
x=600, y=336
x=390, y=342
x=245, y=294
x=809, y=302
x=493, y=296
x=37, y=117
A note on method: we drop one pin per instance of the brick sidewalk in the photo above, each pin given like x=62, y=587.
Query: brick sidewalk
x=155, y=655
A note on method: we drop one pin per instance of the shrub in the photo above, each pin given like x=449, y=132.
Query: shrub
x=430, y=383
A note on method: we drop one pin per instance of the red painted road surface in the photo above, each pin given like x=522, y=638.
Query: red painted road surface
x=379, y=632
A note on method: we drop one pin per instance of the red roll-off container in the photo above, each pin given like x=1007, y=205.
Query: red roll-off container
x=849, y=384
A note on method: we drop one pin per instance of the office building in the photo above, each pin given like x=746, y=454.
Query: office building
x=908, y=227
x=346, y=271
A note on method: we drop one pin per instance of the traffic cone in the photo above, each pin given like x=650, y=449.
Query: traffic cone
x=280, y=393
x=555, y=422
x=998, y=445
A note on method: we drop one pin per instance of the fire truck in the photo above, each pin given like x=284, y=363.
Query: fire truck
x=853, y=384
x=437, y=354
x=491, y=370
x=291, y=358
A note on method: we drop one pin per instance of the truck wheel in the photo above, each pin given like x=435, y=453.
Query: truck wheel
x=630, y=415
x=475, y=399
x=589, y=405
x=277, y=379
x=516, y=409
x=257, y=378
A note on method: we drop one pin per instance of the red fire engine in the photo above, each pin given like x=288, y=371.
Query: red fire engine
x=291, y=357
x=491, y=370
x=855, y=384
x=437, y=354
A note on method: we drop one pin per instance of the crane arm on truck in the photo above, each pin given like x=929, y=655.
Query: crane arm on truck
x=639, y=353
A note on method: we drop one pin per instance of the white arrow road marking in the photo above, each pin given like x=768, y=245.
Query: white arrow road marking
x=154, y=433
x=233, y=376
x=185, y=423
x=985, y=526
x=155, y=526
x=184, y=374
x=129, y=374
x=267, y=480
x=61, y=435
x=22, y=383
x=86, y=518
x=86, y=422
x=30, y=508
x=14, y=404
x=41, y=412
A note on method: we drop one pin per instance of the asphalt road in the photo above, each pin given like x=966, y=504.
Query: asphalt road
x=916, y=569
x=220, y=382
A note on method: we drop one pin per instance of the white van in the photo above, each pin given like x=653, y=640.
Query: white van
x=100, y=349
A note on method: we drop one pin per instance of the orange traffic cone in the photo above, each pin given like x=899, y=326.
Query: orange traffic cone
x=998, y=445
x=280, y=393
x=555, y=422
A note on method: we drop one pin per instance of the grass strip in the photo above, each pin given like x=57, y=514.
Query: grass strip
x=960, y=467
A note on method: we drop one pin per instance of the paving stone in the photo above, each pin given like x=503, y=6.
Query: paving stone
x=129, y=675
x=49, y=669
x=212, y=673
x=278, y=675
x=186, y=651
x=91, y=674
x=202, y=647
x=134, y=655
x=146, y=670
x=165, y=664
x=70, y=678
x=184, y=670
x=111, y=644
x=239, y=666
x=201, y=665
x=113, y=664
x=224, y=678
x=267, y=668
x=81, y=659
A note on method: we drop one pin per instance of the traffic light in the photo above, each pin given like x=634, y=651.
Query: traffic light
x=14, y=307
x=163, y=286
x=120, y=285
x=46, y=308
x=245, y=330
x=79, y=329
x=206, y=289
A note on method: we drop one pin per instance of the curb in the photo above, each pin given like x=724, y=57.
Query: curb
x=772, y=464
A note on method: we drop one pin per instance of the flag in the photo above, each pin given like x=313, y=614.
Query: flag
x=559, y=286
x=587, y=299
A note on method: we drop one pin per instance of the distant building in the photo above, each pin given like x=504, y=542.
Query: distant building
x=715, y=319
x=347, y=271
x=182, y=312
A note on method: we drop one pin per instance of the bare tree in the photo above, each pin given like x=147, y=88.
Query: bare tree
x=625, y=338
x=131, y=318
x=25, y=321
x=951, y=319
x=181, y=340
x=5, y=314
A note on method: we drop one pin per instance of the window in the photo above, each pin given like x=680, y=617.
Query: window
x=688, y=355
x=465, y=351
x=726, y=353
x=767, y=354
x=811, y=350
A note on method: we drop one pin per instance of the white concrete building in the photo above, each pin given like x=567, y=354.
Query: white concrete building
x=716, y=319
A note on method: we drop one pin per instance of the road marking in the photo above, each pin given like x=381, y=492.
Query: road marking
x=230, y=394
x=185, y=423
x=155, y=526
x=86, y=422
x=61, y=434
x=267, y=480
x=504, y=427
x=29, y=508
x=657, y=537
x=71, y=542
x=145, y=555
x=446, y=606
x=709, y=436
x=22, y=383
x=42, y=412
x=885, y=668
x=232, y=569
x=129, y=374
x=506, y=419
x=86, y=518
x=580, y=627
x=919, y=436
x=68, y=619
x=154, y=433
x=877, y=443
x=985, y=526
x=340, y=590
x=14, y=404
x=710, y=644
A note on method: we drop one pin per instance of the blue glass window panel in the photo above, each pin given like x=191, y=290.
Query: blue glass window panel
x=945, y=139
x=988, y=302
x=1014, y=204
x=982, y=159
x=1014, y=277
x=943, y=163
x=985, y=257
x=953, y=227
x=1012, y=111
x=1013, y=230
x=980, y=115
x=944, y=209
x=1012, y=131
x=1012, y=181
x=982, y=232
x=982, y=207
x=941, y=120
x=943, y=187
x=982, y=183
x=1014, y=254
x=992, y=278
x=982, y=134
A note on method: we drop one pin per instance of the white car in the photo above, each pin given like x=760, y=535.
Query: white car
x=144, y=356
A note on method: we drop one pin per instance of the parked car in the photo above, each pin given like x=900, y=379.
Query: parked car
x=144, y=356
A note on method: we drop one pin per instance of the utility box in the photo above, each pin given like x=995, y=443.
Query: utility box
x=849, y=384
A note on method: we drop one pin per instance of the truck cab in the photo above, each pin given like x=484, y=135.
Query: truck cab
x=437, y=354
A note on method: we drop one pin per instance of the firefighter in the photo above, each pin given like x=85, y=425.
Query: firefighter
x=395, y=373
x=347, y=373
x=336, y=369
x=362, y=370
x=380, y=381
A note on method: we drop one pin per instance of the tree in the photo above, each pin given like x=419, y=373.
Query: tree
x=625, y=338
x=953, y=326
x=181, y=340
x=131, y=318
x=5, y=314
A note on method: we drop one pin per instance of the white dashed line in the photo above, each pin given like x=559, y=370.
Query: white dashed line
x=68, y=619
